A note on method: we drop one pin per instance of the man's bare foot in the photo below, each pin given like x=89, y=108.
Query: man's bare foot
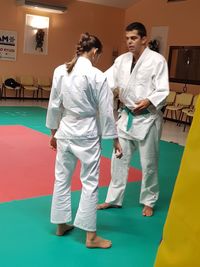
x=147, y=211
x=105, y=205
x=98, y=242
x=62, y=229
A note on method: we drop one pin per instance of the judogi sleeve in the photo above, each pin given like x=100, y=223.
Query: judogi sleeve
x=111, y=74
x=161, y=85
x=105, y=108
x=55, y=108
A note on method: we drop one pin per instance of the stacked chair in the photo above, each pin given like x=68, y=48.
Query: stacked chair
x=6, y=88
x=182, y=100
x=44, y=85
x=25, y=86
x=171, y=98
x=189, y=112
x=169, y=101
x=28, y=84
x=0, y=87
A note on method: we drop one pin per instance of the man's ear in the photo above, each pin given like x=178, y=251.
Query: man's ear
x=144, y=40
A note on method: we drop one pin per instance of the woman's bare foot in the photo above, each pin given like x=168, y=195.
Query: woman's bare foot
x=94, y=241
x=98, y=242
x=105, y=205
x=64, y=228
x=147, y=211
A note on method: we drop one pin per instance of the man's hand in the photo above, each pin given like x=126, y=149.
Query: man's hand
x=117, y=148
x=143, y=104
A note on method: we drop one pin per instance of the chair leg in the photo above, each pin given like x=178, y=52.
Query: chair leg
x=190, y=120
x=19, y=94
x=166, y=114
x=180, y=118
x=172, y=114
x=5, y=93
x=185, y=124
x=176, y=115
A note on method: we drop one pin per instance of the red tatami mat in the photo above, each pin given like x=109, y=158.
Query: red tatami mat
x=27, y=165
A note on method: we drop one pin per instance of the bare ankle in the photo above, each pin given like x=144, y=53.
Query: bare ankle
x=90, y=236
x=63, y=228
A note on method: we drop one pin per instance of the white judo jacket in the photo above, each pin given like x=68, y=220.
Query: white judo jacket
x=149, y=79
x=81, y=103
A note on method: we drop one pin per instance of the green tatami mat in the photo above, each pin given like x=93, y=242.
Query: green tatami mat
x=32, y=117
x=28, y=240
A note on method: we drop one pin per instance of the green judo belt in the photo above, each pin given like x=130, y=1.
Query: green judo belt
x=131, y=115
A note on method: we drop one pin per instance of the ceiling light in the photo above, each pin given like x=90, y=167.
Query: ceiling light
x=41, y=6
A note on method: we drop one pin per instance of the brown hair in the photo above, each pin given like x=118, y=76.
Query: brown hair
x=85, y=44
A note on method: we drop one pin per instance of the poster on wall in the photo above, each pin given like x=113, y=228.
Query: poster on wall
x=160, y=34
x=8, y=45
x=36, y=35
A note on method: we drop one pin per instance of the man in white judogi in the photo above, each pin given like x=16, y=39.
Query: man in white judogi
x=141, y=76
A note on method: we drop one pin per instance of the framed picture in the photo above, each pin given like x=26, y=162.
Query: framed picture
x=36, y=35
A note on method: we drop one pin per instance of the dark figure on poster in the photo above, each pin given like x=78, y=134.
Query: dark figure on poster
x=39, y=38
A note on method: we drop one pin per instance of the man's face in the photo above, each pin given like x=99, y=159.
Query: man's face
x=135, y=42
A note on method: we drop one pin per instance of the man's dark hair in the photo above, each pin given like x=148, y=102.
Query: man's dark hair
x=137, y=26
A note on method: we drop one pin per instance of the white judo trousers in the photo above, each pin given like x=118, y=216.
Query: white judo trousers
x=68, y=152
x=148, y=79
x=81, y=110
x=149, y=150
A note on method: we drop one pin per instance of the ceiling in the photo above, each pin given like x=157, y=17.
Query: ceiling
x=113, y=3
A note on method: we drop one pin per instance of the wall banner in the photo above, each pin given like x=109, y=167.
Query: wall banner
x=8, y=45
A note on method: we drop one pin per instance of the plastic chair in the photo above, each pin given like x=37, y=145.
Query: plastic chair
x=189, y=112
x=28, y=84
x=44, y=84
x=169, y=100
x=182, y=100
x=5, y=87
x=1, y=87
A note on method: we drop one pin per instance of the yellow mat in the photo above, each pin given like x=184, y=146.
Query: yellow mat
x=181, y=237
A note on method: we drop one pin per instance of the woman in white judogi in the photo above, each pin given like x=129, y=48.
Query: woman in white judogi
x=80, y=111
x=141, y=76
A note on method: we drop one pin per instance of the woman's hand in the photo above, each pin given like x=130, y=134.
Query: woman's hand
x=53, y=142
